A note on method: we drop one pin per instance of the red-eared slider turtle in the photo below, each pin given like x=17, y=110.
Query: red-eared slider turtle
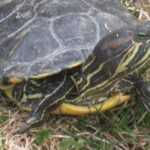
x=48, y=63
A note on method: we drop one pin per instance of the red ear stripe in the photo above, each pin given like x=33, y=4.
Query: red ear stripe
x=116, y=43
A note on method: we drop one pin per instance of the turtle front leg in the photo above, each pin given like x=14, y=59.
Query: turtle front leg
x=50, y=102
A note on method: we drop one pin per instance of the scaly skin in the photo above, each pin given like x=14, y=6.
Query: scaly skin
x=88, y=87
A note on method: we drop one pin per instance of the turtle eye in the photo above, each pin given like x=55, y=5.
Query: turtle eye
x=142, y=35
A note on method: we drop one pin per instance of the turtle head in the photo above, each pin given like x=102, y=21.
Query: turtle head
x=142, y=33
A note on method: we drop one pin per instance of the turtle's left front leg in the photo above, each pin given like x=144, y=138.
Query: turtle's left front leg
x=50, y=102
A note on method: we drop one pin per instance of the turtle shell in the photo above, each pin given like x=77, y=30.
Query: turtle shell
x=43, y=36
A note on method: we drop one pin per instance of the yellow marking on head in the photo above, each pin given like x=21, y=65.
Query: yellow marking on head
x=92, y=75
x=125, y=61
x=69, y=109
x=145, y=58
x=15, y=80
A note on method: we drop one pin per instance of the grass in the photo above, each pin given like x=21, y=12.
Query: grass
x=124, y=128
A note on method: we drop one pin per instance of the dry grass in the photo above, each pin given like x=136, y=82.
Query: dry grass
x=128, y=128
x=140, y=8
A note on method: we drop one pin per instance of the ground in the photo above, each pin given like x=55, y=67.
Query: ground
x=123, y=128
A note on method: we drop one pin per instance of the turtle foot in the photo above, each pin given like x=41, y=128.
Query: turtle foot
x=22, y=130
x=32, y=121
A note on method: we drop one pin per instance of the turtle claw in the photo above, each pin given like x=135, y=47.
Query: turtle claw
x=22, y=130
x=35, y=117
x=32, y=119
x=31, y=122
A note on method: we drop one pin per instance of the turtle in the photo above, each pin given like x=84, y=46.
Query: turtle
x=70, y=57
